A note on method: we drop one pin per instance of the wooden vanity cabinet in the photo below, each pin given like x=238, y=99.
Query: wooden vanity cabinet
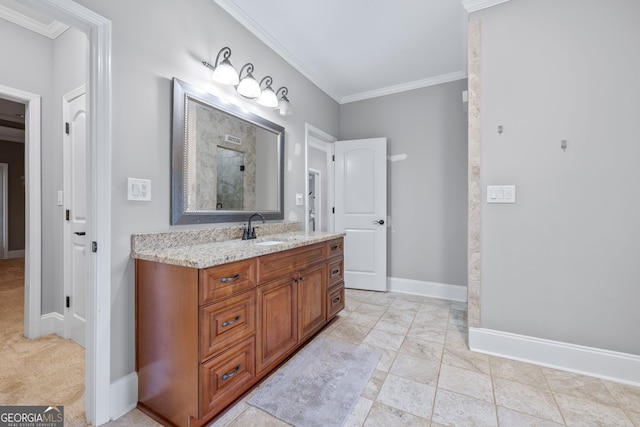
x=204, y=337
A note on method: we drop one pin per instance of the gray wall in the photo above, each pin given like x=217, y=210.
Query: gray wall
x=561, y=263
x=427, y=192
x=153, y=41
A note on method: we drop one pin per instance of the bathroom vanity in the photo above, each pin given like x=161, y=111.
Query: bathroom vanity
x=213, y=319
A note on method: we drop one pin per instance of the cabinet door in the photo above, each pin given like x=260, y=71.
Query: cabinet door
x=312, y=297
x=277, y=311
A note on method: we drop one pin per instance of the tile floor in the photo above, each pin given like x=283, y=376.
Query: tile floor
x=428, y=377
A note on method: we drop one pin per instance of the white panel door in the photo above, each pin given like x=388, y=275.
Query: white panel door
x=361, y=211
x=75, y=195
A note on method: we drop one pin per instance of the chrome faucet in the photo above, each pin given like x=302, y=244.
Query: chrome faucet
x=250, y=232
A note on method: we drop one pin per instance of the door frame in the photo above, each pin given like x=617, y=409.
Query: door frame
x=317, y=174
x=99, y=118
x=4, y=172
x=317, y=138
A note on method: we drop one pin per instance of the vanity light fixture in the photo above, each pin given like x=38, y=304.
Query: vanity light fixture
x=283, y=103
x=223, y=72
x=268, y=97
x=248, y=86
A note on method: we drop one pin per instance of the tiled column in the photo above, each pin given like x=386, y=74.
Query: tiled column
x=475, y=191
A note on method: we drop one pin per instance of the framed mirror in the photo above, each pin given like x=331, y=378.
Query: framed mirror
x=227, y=163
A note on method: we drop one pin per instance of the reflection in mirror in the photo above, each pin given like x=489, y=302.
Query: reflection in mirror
x=226, y=162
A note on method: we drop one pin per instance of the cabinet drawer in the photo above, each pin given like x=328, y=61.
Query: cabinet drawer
x=335, y=271
x=335, y=302
x=335, y=247
x=282, y=264
x=226, y=322
x=225, y=280
x=225, y=377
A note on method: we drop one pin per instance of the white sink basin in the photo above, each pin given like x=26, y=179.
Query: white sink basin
x=269, y=242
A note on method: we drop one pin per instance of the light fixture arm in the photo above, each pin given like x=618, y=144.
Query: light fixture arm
x=267, y=79
x=225, y=51
x=284, y=90
x=249, y=68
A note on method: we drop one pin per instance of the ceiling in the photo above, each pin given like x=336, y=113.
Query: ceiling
x=359, y=49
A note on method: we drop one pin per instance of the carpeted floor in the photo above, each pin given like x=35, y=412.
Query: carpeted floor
x=45, y=371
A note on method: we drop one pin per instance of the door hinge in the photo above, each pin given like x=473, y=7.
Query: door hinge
x=333, y=157
x=333, y=210
x=66, y=128
x=67, y=214
x=68, y=301
x=94, y=246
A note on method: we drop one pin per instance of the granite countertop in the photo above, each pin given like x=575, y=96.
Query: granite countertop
x=203, y=255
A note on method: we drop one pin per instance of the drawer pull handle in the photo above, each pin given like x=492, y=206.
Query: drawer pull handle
x=230, y=322
x=334, y=247
x=230, y=279
x=336, y=271
x=232, y=373
x=336, y=300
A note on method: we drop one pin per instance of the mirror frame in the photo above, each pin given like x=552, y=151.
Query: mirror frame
x=182, y=92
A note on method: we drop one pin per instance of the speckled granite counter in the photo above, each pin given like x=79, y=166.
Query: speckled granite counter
x=203, y=248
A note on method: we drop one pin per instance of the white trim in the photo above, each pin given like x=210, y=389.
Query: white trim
x=124, y=395
x=610, y=365
x=20, y=253
x=427, y=289
x=476, y=5
x=33, y=224
x=418, y=84
x=52, y=323
x=312, y=132
x=99, y=118
x=52, y=30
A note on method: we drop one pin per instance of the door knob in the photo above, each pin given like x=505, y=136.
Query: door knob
x=380, y=221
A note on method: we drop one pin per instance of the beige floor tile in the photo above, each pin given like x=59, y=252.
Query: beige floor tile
x=634, y=417
x=469, y=383
x=399, y=315
x=387, y=358
x=374, y=385
x=525, y=398
x=350, y=333
x=417, y=369
x=234, y=412
x=427, y=332
x=382, y=415
x=363, y=319
x=437, y=317
x=407, y=395
x=628, y=396
x=383, y=339
x=411, y=298
x=395, y=327
x=359, y=413
x=455, y=409
x=254, y=417
x=402, y=304
x=422, y=348
x=466, y=359
x=133, y=418
x=373, y=309
x=579, y=386
x=510, y=418
x=381, y=298
x=458, y=318
x=587, y=413
x=521, y=372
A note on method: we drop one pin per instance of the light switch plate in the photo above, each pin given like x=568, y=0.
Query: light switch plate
x=139, y=189
x=299, y=199
x=501, y=193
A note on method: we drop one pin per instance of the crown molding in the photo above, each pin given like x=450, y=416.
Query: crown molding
x=476, y=5
x=418, y=84
x=53, y=30
x=257, y=30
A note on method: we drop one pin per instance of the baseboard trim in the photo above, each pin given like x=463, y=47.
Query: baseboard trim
x=15, y=254
x=52, y=323
x=123, y=395
x=595, y=362
x=427, y=289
